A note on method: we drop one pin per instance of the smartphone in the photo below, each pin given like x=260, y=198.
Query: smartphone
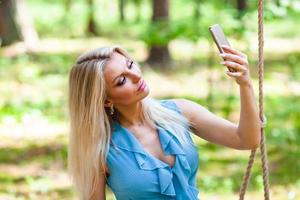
x=220, y=39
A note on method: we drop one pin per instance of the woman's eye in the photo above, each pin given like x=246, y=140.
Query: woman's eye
x=122, y=82
x=130, y=65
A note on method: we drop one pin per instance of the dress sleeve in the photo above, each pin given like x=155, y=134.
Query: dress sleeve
x=169, y=103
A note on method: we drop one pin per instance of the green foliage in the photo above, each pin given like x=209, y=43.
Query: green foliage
x=275, y=11
x=161, y=33
x=70, y=20
x=158, y=33
x=39, y=74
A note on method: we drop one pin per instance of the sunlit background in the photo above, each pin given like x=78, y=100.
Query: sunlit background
x=40, y=39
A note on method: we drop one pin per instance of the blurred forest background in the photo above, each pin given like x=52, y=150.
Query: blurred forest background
x=40, y=40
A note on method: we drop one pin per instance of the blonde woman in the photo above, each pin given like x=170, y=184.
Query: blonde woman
x=139, y=146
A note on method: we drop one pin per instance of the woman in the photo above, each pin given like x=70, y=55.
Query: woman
x=139, y=146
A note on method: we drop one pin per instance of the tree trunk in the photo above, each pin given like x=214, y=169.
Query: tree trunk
x=160, y=10
x=121, y=10
x=241, y=6
x=91, y=26
x=8, y=27
x=159, y=54
x=16, y=24
x=197, y=11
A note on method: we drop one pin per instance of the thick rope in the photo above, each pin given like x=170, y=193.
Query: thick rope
x=263, y=152
x=261, y=115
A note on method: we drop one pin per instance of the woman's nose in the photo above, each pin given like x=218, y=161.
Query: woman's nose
x=136, y=75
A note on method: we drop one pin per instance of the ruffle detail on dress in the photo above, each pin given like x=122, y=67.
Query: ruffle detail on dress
x=127, y=141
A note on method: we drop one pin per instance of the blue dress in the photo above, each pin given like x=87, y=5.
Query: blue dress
x=136, y=174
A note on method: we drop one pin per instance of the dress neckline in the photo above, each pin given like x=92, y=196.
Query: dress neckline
x=158, y=130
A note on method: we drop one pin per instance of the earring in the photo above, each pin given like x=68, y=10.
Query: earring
x=112, y=109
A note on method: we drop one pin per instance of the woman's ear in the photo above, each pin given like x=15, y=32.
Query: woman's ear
x=108, y=103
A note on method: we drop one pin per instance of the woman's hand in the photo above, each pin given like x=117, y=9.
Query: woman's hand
x=239, y=62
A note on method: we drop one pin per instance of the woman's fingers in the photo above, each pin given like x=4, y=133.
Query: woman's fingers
x=233, y=51
x=234, y=74
x=234, y=65
x=235, y=58
x=238, y=62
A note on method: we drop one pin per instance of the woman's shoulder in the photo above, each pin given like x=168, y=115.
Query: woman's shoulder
x=186, y=107
x=170, y=103
x=175, y=103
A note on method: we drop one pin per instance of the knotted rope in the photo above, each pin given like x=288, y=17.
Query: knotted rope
x=264, y=159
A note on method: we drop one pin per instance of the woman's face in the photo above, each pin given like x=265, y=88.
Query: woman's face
x=123, y=78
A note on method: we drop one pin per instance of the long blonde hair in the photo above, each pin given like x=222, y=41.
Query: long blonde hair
x=90, y=121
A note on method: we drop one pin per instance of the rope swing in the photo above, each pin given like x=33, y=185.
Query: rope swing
x=264, y=159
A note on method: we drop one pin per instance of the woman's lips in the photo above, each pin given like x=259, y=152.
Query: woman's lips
x=142, y=86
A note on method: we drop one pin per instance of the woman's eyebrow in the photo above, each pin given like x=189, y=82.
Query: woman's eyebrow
x=126, y=59
x=116, y=77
